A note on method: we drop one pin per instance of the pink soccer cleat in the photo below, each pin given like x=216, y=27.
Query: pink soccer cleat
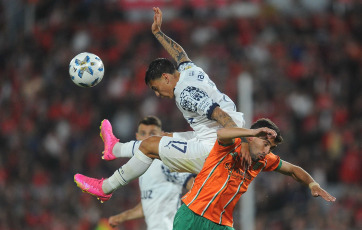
x=92, y=186
x=109, y=140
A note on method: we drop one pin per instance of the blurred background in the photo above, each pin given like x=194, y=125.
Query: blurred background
x=305, y=58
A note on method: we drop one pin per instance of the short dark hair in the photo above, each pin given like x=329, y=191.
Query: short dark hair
x=157, y=68
x=151, y=120
x=265, y=122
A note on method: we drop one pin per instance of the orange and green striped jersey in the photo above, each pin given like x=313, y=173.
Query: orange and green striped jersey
x=222, y=181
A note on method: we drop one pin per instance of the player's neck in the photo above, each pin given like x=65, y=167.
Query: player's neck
x=177, y=76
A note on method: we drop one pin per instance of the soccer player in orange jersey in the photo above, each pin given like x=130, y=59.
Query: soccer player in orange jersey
x=222, y=180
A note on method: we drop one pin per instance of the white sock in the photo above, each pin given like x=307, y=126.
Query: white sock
x=135, y=167
x=125, y=149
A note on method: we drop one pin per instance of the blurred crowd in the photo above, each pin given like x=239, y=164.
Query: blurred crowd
x=305, y=59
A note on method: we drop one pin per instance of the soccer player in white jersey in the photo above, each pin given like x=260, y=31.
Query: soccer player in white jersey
x=160, y=189
x=204, y=107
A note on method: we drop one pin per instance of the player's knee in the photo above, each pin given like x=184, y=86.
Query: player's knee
x=149, y=146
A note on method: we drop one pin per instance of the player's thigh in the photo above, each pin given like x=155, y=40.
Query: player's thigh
x=183, y=156
x=184, y=219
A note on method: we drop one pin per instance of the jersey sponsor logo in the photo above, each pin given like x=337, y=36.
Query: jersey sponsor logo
x=190, y=98
x=234, y=172
x=146, y=194
x=200, y=76
x=234, y=168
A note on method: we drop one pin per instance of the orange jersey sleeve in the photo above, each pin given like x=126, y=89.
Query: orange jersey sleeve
x=273, y=162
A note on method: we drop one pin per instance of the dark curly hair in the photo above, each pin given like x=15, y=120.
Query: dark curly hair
x=265, y=122
x=157, y=68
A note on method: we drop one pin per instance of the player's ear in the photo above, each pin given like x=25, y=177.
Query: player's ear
x=166, y=77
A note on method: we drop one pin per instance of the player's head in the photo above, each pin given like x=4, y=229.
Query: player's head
x=260, y=147
x=160, y=77
x=148, y=126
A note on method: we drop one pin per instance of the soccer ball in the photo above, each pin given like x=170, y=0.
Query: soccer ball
x=86, y=69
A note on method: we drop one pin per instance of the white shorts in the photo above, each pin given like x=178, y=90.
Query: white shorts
x=184, y=155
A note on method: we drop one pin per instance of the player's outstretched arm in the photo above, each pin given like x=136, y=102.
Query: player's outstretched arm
x=226, y=135
x=131, y=214
x=226, y=121
x=223, y=118
x=174, y=49
x=303, y=177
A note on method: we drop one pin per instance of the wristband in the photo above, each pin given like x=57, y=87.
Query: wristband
x=311, y=184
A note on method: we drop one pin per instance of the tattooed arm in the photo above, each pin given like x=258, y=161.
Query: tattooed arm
x=226, y=121
x=223, y=118
x=174, y=49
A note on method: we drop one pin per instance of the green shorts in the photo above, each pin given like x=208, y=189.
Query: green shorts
x=186, y=219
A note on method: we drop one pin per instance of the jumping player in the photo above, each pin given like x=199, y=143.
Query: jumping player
x=204, y=107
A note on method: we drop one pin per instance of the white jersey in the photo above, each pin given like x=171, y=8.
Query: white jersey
x=196, y=97
x=161, y=191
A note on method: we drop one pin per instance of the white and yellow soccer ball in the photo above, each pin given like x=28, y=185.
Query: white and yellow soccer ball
x=86, y=69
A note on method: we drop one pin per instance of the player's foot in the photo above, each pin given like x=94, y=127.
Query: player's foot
x=109, y=140
x=91, y=186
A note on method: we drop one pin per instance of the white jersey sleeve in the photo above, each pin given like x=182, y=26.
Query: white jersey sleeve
x=197, y=96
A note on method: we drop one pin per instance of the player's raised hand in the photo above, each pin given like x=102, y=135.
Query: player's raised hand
x=245, y=156
x=316, y=191
x=157, y=20
x=265, y=133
